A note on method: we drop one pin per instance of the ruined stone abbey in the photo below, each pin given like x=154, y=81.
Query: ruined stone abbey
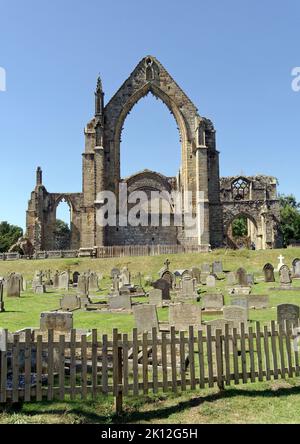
x=223, y=199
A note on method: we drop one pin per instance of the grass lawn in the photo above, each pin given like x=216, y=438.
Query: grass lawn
x=264, y=402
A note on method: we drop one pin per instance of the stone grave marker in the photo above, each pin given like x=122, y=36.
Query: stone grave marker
x=59, y=321
x=258, y=301
x=155, y=297
x=269, y=273
x=40, y=289
x=93, y=281
x=69, y=302
x=75, y=277
x=205, y=268
x=115, y=272
x=250, y=279
x=296, y=268
x=236, y=314
x=13, y=285
x=82, y=286
x=241, y=276
x=181, y=316
x=124, y=289
x=281, y=262
x=213, y=301
x=56, y=279
x=188, y=289
x=217, y=267
x=63, y=280
x=219, y=324
x=231, y=278
x=119, y=302
x=164, y=286
x=285, y=276
x=125, y=276
x=145, y=317
x=169, y=277
x=196, y=274
x=288, y=312
x=211, y=281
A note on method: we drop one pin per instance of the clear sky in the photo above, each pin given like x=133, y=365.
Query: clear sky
x=233, y=58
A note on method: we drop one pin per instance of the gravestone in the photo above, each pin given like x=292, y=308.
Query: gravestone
x=59, y=321
x=285, y=277
x=13, y=285
x=205, y=268
x=181, y=316
x=63, y=280
x=115, y=284
x=124, y=289
x=196, y=274
x=211, y=281
x=269, y=273
x=155, y=297
x=281, y=262
x=258, y=301
x=288, y=312
x=164, y=286
x=296, y=268
x=40, y=289
x=213, y=301
x=240, y=301
x=188, y=288
x=235, y=314
x=56, y=279
x=125, y=276
x=145, y=317
x=250, y=279
x=48, y=277
x=69, y=302
x=231, y=278
x=82, y=286
x=169, y=277
x=115, y=272
x=75, y=277
x=1, y=297
x=93, y=281
x=220, y=324
x=217, y=267
x=37, y=279
x=241, y=277
x=122, y=301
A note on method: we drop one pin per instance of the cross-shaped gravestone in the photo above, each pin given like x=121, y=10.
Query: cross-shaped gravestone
x=167, y=263
x=281, y=259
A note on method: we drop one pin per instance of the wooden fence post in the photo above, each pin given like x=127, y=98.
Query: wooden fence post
x=219, y=356
x=3, y=364
x=118, y=372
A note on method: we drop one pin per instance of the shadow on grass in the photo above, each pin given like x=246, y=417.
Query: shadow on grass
x=87, y=412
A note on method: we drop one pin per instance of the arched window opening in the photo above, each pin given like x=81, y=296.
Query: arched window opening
x=63, y=225
x=240, y=189
x=242, y=233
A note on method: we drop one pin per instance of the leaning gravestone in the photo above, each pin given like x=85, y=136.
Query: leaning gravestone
x=217, y=267
x=59, y=321
x=296, y=268
x=120, y=302
x=182, y=316
x=235, y=314
x=288, y=312
x=63, y=280
x=285, y=277
x=241, y=276
x=145, y=317
x=210, y=281
x=69, y=302
x=258, y=301
x=213, y=301
x=269, y=273
x=164, y=286
x=13, y=285
x=155, y=297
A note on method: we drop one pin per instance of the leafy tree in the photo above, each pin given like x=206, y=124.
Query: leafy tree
x=9, y=234
x=240, y=227
x=290, y=218
x=62, y=235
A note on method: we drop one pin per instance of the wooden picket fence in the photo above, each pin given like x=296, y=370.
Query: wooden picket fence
x=67, y=366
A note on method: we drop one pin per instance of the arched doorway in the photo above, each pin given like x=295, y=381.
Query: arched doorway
x=242, y=232
x=63, y=224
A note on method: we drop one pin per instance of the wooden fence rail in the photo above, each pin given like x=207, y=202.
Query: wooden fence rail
x=49, y=366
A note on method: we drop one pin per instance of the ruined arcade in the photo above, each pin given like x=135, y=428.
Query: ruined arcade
x=222, y=199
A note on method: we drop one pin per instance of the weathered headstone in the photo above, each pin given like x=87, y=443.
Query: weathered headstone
x=258, y=301
x=188, y=289
x=211, y=281
x=13, y=285
x=115, y=272
x=181, y=316
x=217, y=267
x=288, y=312
x=196, y=274
x=40, y=289
x=56, y=279
x=69, y=302
x=164, y=286
x=63, y=280
x=124, y=289
x=145, y=317
x=115, y=284
x=220, y=324
x=281, y=262
x=37, y=279
x=241, y=276
x=250, y=279
x=125, y=276
x=82, y=285
x=235, y=314
x=75, y=277
x=93, y=281
x=285, y=276
x=59, y=321
x=169, y=277
x=205, y=268
x=240, y=301
x=269, y=273
x=213, y=301
x=231, y=278
x=120, y=302
x=155, y=297
x=296, y=268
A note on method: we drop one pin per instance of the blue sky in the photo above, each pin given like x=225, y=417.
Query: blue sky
x=233, y=59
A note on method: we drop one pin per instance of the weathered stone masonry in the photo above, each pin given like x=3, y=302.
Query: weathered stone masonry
x=199, y=171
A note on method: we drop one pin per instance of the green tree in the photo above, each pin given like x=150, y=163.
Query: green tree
x=290, y=218
x=62, y=235
x=9, y=234
x=240, y=227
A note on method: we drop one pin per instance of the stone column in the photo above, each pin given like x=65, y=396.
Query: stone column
x=202, y=195
x=88, y=210
x=99, y=186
